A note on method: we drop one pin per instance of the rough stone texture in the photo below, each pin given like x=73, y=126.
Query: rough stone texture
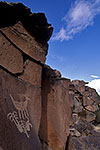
x=16, y=62
x=20, y=113
x=87, y=143
x=86, y=117
x=65, y=115
x=10, y=58
x=35, y=23
x=56, y=110
x=28, y=31
x=25, y=42
x=31, y=73
x=70, y=144
x=23, y=49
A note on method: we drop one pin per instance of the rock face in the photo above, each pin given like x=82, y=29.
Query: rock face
x=35, y=102
x=10, y=57
x=20, y=112
x=24, y=42
x=86, y=117
x=35, y=23
x=22, y=56
x=56, y=110
x=40, y=110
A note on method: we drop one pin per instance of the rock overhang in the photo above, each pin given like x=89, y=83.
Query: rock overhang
x=35, y=23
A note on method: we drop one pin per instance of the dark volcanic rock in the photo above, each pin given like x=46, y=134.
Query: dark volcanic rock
x=87, y=143
x=10, y=57
x=20, y=110
x=11, y=13
x=56, y=110
x=23, y=50
x=85, y=129
x=35, y=23
x=20, y=39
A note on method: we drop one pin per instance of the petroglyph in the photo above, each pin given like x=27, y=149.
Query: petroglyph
x=21, y=107
x=20, y=117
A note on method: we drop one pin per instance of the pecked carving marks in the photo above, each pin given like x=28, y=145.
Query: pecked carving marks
x=20, y=117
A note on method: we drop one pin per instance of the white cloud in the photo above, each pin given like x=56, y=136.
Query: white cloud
x=94, y=76
x=56, y=57
x=61, y=35
x=95, y=84
x=79, y=16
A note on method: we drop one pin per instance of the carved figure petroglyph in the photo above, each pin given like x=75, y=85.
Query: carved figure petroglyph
x=20, y=118
x=21, y=107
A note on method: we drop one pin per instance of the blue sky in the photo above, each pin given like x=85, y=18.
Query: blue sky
x=74, y=48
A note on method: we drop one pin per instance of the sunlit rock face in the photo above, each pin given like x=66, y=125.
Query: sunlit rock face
x=23, y=49
x=40, y=110
x=85, y=129
x=56, y=110
x=35, y=102
x=20, y=112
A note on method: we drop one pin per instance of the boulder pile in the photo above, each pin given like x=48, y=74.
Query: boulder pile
x=85, y=129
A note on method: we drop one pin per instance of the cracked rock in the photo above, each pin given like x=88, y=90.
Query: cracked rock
x=10, y=58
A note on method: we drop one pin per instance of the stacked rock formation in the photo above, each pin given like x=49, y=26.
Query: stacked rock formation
x=35, y=102
x=85, y=129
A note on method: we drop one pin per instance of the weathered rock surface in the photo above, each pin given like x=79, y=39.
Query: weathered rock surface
x=31, y=73
x=35, y=23
x=87, y=143
x=10, y=57
x=23, y=48
x=36, y=103
x=20, y=113
x=86, y=117
x=24, y=42
x=56, y=110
